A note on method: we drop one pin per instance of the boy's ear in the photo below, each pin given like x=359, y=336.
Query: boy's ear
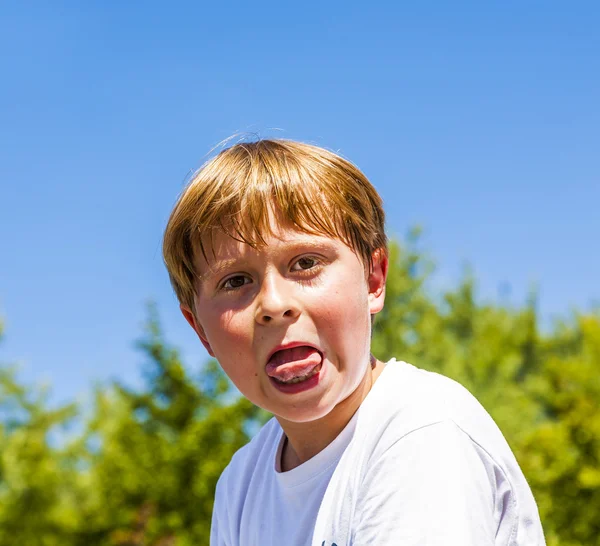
x=376, y=281
x=193, y=322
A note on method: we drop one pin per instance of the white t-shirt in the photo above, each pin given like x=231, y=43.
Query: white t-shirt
x=421, y=462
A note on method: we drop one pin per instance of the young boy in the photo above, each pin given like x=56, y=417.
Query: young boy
x=278, y=255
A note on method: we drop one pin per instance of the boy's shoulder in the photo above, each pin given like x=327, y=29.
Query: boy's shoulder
x=406, y=399
x=418, y=397
x=423, y=450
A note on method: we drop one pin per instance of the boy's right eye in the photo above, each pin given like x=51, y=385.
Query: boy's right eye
x=234, y=282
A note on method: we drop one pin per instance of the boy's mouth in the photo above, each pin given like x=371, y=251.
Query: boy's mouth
x=295, y=364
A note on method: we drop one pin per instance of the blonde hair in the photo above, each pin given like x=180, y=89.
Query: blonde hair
x=314, y=189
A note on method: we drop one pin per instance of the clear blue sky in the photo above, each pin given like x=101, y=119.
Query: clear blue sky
x=478, y=120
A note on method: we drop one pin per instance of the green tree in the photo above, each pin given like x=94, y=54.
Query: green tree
x=561, y=455
x=160, y=452
x=38, y=482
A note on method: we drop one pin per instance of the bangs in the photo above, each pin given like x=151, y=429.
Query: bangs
x=293, y=195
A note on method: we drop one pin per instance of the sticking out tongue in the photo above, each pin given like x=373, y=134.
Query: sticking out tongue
x=289, y=364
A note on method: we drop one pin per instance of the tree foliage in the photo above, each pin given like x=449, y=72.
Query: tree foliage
x=144, y=469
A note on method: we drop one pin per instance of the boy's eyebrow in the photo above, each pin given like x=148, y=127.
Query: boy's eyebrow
x=221, y=265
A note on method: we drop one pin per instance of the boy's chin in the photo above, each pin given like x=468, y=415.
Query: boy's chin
x=308, y=412
x=298, y=416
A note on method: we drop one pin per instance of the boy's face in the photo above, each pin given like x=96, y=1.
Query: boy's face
x=289, y=322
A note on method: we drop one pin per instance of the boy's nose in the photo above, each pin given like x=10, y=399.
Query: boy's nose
x=275, y=303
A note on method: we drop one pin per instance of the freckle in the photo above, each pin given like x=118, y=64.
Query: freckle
x=255, y=375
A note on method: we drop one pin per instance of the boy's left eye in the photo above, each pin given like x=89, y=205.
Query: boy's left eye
x=305, y=263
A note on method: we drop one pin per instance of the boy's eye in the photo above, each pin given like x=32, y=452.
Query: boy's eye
x=235, y=282
x=305, y=263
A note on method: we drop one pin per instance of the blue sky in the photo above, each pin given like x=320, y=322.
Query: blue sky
x=479, y=121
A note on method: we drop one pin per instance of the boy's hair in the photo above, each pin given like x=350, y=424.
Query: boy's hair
x=313, y=189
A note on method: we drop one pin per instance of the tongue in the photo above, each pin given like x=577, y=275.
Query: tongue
x=289, y=364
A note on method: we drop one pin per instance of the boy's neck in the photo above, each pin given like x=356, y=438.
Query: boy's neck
x=305, y=440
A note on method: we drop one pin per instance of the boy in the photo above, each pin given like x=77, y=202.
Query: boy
x=278, y=255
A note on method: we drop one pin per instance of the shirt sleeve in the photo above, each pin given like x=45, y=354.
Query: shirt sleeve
x=429, y=488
